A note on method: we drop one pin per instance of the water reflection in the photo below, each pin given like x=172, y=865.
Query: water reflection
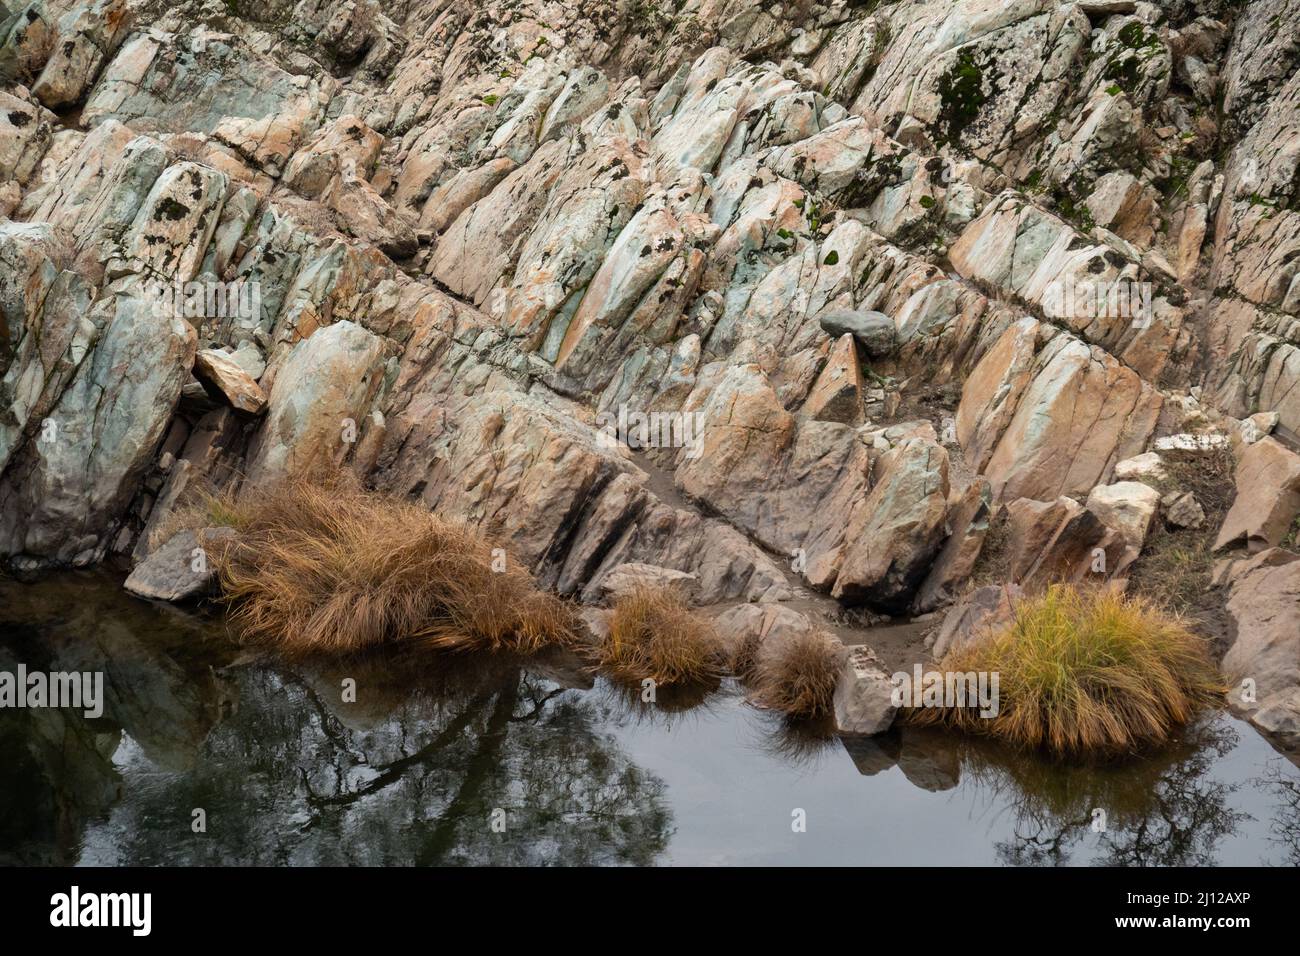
x=1280, y=783
x=1163, y=809
x=665, y=707
x=411, y=761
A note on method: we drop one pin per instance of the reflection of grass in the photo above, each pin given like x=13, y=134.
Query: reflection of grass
x=670, y=705
x=1086, y=672
x=1048, y=791
x=801, y=743
x=389, y=678
x=337, y=569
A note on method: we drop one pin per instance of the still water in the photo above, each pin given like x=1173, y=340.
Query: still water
x=432, y=754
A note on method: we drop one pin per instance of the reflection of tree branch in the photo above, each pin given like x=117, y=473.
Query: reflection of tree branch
x=329, y=724
x=1035, y=850
x=1176, y=814
x=333, y=731
x=1194, y=817
x=538, y=706
x=289, y=777
x=1284, y=830
x=477, y=771
x=392, y=772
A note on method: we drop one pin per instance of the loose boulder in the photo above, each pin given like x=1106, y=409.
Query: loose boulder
x=874, y=331
x=864, y=696
x=1268, y=497
x=1127, y=507
x=1182, y=510
x=183, y=569
x=222, y=378
x=1148, y=467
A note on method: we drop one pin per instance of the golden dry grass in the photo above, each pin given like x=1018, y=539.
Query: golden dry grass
x=798, y=676
x=1087, y=672
x=654, y=634
x=336, y=569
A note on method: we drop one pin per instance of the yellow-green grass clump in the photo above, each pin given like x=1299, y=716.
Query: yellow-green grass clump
x=1086, y=672
x=336, y=569
x=654, y=635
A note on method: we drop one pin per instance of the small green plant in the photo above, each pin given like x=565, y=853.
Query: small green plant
x=1135, y=38
x=813, y=214
x=1292, y=540
x=1077, y=213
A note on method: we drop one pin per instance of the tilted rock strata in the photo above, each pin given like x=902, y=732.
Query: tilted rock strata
x=835, y=246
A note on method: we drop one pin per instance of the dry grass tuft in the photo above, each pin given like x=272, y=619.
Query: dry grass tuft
x=1087, y=672
x=201, y=509
x=799, y=675
x=653, y=634
x=336, y=569
x=1177, y=564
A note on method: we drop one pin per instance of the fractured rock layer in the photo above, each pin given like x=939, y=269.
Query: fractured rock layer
x=792, y=298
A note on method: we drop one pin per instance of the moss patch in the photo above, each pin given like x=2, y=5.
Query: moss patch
x=961, y=95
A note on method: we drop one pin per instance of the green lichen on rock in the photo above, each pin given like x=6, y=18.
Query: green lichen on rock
x=1124, y=69
x=961, y=95
x=1077, y=213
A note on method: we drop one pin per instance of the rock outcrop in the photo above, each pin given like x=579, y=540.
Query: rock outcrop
x=773, y=299
x=1268, y=497
x=1263, y=663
